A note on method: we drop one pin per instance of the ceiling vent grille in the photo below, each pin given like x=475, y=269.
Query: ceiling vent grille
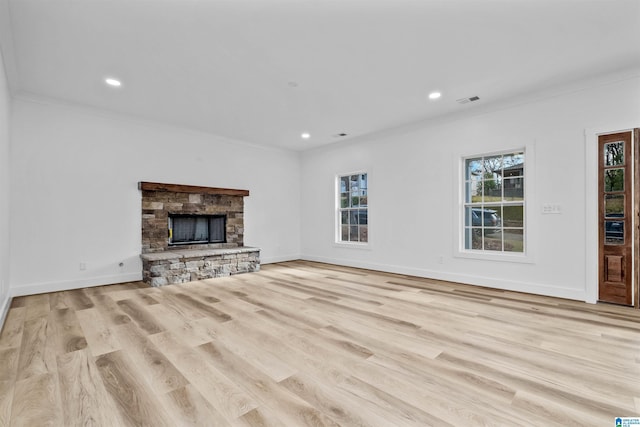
x=467, y=100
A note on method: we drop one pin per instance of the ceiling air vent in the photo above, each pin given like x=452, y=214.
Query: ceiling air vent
x=467, y=100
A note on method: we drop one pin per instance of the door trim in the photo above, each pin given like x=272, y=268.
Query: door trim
x=591, y=208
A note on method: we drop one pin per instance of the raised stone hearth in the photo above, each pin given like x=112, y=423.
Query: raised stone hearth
x=180, y=266
x=169, y=259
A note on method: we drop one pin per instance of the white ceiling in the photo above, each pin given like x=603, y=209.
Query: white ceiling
x=361, y=66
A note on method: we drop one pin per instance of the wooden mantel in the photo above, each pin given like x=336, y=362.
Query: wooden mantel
x=157, y=186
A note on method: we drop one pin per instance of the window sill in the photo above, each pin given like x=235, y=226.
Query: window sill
x=353, y=245
x=500, y=257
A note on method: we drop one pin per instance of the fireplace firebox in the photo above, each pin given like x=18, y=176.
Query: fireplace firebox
x=192, y=229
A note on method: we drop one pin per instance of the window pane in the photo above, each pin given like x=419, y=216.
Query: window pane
x=613, y=205
x=513, y=216
x=513, y=189
x=492, y=165
x=355, y=199
x=492, y=190
x=345, y=233
x=473, y=169
x=473, y=238
x=470, y=217
x=353, y=233
x=362, y=217
x=344, y=217
x=355, y=180
x=344, y=184
x=492, y=239
x=364, y=233
x=513, y=165
x=473, y=190
x=614, y=232
x=513, y=240
x=353, y=217
x=614, y=180
x=363, y=181
x=476, y=238
x=467, y=238
x=614, y=153
x=491, y=216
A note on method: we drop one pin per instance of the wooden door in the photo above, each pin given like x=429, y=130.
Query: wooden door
x=615, y=209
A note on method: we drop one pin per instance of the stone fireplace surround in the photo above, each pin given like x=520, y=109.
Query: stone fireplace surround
x=164, y=264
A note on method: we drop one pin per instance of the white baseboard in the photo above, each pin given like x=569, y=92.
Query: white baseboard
x=66, y=285
x=468, y=279
x=4, y=310
x=283, y=258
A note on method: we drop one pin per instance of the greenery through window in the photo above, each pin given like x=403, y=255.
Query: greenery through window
x=494, y=202
x=353, y=208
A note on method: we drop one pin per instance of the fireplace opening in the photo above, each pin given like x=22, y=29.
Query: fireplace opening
x=192, y=229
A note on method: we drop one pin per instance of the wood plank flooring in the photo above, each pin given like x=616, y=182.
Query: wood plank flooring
x=308, y=344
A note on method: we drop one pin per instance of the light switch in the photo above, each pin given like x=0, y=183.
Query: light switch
x=551, y=208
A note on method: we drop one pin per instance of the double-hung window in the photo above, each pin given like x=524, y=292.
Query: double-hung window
x=353, y=208
x=494, y=203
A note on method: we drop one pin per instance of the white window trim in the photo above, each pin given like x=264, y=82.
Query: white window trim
x=336, y=191
x=530, y=213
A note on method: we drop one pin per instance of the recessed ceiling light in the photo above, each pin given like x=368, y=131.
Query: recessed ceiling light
x=435, y=95
x=113, y=82
x=305, y=135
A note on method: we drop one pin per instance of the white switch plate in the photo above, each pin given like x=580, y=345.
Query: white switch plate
x=551, y=208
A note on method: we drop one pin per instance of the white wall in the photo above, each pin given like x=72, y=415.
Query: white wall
x=5, y=123
x=75, y=198
x=414, y=190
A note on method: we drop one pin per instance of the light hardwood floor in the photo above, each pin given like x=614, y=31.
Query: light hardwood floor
x=302, y=343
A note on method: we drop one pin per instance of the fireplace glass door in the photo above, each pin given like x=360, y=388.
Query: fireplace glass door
x=193, y=229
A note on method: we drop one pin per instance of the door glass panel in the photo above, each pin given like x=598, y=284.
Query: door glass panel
x=614, y=205
x=614, y=180
x=614, y=232
x=614, y=153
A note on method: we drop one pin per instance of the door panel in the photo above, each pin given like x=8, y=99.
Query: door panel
x=615, y=208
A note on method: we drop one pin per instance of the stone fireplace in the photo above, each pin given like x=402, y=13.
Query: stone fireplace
x=193, y=233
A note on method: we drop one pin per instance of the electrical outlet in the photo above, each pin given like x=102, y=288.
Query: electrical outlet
x=83, y=266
